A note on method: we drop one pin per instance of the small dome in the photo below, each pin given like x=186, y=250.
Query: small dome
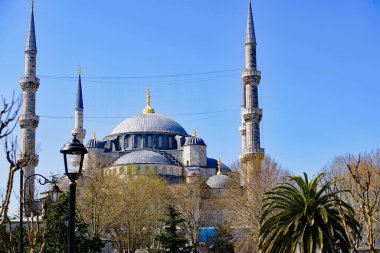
x=194, y=140
x=94, y=143
x=143, y=157
x=218, y=181
x=149, y=123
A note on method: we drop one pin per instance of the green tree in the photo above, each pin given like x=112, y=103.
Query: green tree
x=302, y=215
x=222, y=242
x=169, y=238
x=56, y=230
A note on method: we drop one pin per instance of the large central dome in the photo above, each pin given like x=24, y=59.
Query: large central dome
x=149, y=123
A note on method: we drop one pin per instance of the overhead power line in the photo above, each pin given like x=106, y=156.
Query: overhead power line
x=123, y=117
x=144, y=76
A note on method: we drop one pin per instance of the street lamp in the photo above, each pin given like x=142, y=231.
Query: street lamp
x=70, y=149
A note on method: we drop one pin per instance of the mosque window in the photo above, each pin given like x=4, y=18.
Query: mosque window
x=126, y=142
x=160, y=141
x=138, y=142
x=149, y=141
x=170, y=142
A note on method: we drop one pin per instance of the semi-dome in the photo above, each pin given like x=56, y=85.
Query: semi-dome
x=194, y=140
x=143, y=157
x=218, y=181
x=149, y=123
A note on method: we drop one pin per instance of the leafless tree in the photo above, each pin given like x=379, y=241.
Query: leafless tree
x=244, y=203
x=359, y=179
x=195, y=205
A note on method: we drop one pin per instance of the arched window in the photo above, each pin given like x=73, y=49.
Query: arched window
x=160, y=141
x=126, y=142
x=170, y=142
x=149, y=141
x=138, y=142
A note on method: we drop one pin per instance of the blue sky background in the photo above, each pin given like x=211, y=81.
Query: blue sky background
x=320, y=63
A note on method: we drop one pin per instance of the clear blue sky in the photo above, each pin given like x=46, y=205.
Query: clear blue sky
x=320, y=63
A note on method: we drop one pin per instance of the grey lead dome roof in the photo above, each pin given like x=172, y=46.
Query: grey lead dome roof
x=142, y=157
x=194, y=140
x=149, y=122
x=218, y=181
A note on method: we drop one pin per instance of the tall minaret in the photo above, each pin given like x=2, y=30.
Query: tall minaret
x=251, y=113
x=28, y=119
x=78, y=129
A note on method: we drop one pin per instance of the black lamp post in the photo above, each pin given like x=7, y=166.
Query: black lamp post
x=70, y=149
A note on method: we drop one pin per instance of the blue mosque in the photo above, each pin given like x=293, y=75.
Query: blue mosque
x=150, y=140
x=153, y=141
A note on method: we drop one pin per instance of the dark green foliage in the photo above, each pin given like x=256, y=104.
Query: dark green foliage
x=5, y=243
x=222, y=242
x=56, y=233
x=169, y=239
x=306, y=215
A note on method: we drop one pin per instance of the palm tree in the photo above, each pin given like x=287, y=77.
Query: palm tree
x=306, y=216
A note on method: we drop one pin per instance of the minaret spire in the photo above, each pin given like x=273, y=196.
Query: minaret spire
x=251, y=113
x=250, y=33
x=250, y=40
x=78, y=130
x=31, y=44
x=79, y=98
x=28, y=119
x=78, y=125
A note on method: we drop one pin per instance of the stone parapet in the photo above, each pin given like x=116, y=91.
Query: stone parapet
x=252, y=152
x=251, y=74
x=27, y=160
x=28, y=121
x=79, y=133
x=29, y=83
x=252, y=113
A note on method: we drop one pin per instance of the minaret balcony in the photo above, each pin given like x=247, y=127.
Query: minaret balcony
x=252, y=151
x=252, y=113
x=250, y=72
x=29, y=83
x=80, y=133
x=26, y=160
x=28, y=120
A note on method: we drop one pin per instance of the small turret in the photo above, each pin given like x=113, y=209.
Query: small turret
x=194, y=151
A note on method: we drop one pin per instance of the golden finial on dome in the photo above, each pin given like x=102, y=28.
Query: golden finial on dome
x=79, y=70
x=219, y=167
x=195, y=133
x=94, y=136
x=148, y=108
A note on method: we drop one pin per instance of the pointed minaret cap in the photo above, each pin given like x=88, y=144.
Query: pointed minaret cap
x=94, y=136
x=195, y=133
x=219, y=167
x=79, y=98
x=250, y=33
x=31, y=44
x=148, y=108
